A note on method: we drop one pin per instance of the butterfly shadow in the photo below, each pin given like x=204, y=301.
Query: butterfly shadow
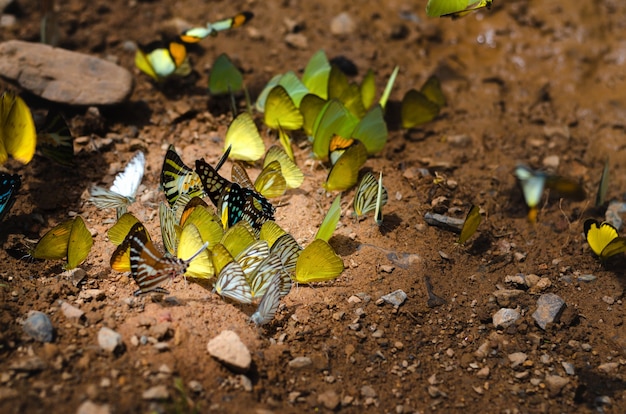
x=344, y=246
x=481, y=244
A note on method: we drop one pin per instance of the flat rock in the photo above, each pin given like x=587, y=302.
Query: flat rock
x=342, y=25
x=158, y=392
x=300, y=362
x=64, y=76
x=329, y=399
x=109, y=340
x=549, y=308
x=71, y=311
x=505, y=317
x=555, y=384
x=39, y=327
x=395, y=298
x=230, y=351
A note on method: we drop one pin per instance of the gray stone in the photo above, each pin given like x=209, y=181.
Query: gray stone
x=342, y=25
x=109, y=340
x=505, y=317
x=89, y=407
x=367, y=391
x=158, y=392
x=297, y=41
x=569, y=368
x=71, y=312
x=64, y=76
x=395, y=298
x=517, y=358
x=230, y=351
x=505, y=297
x=39, y=327
x=300, y=362
x=549, y=308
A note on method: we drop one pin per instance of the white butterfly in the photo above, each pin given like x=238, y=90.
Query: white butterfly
x=269, y=304
x=122, y=192
x=231, y=283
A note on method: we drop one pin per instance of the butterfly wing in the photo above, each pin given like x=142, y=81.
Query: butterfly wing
x=9, y=186
x=318, y=262
x=18, y=137
x=271, y=183
x=599, y=235
x=192, y=250
x=290, y=171
x=288, y=250
x=79, y=245
x=53, y=245
x=127, y=182
x=372, y=130
x=225, y=77
x=270, y=302
x=345, y=173
x=316, y=73
x=231, y=283
x=472, y=221
x=365, y=196
x=329, y=224
x=244, y=139
x=178, y=179
x=214, y=184
x=417, y=109
x=120, y=259
x=280, y=110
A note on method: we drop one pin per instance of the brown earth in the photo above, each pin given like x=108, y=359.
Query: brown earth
x=524, y=81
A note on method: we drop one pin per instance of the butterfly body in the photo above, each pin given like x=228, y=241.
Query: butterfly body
x=9, y=186
x=178, y=179
x=122, y=192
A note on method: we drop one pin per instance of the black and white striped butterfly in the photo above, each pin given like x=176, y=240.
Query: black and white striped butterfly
x=150, y=268
x=270, y=302
x=122, y=192
x=367, y=198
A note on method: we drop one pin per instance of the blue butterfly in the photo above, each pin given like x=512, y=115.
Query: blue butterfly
x=9, y=186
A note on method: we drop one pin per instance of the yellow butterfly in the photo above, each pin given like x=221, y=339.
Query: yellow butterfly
x=603, y=239
x=244, y=139
x=281, y=111
x=454, y=8
x=225, y=78
x=18, y=137
x=270, y=232
x=329, y=224
x=69, y=239
x=318, y=262
x=471, y=223
x=162, y=59
x=316, y=74
x=290, y=171
x=345, y=172
x=201, y=265
x=420, y=107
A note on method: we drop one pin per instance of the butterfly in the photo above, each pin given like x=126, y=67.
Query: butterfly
x=310, y=107
x=71, y=239
x=534, y=182
x=270, y=183
x=191, y=244
x=238, y=203
x=196, y=34
x=55, y=140
x=178, y=179
x=603, y=186
x=149, y=268
x=9, y=186
x=318, y=262
x=420, y=107
x=295, y=89
x=238, y=238
x=270, y=232
x=122, y=192
x=366, y=197
x=269, y=304
x=170, y=230
x=471, y=223
x=209, y=225
x=289, y=170
x=454, y=8
x=225, y=78
x=349, y=94
x=316, y=73
x=378, y=212
x=162, y=59
x=244, y=139
x=327, y=228
x=17, y=129
x=603, y=239
x=345, y=171
x=288, y=250
x=213, y=183
x=333, y=119
x=120, y=259
x=281, y=111
x=261, y=279
x=231, y=283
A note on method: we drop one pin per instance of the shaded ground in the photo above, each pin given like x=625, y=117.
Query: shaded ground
x=525, y=81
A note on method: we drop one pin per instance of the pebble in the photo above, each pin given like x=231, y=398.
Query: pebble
x=395, y=298
x=109, y=340
x=354, y=299
x=555, y=384
x=504, y=297
x=158, y=392
x=64, y=76
x=89, y=407
x=483, y=373
x=608, y=367
x=517, y=358
x=367, y=391
x=386, y=268
x=195, y=386
x=569, y=368
x=230, y=351
x=39, y=327
x=297, y=41
x=246, y=383
x=342, y=25
x=300, y=362
x=71, y=311
x=549, y=308
x=505, y=317
x=551, y=162
x=92, y=294
x=32, y=364
x=329, y=399
x=76, y=275
x=459, y=141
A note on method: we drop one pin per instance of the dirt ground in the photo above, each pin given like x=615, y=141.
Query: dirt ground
x=528, y=81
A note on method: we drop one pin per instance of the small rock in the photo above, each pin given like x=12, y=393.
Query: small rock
x=329, y=399
x=555, y=384
x=505, y=297
x=459, y=141
x=195, y=386
x=230, y=351
x=158, y=392
x=109, y=340
x=92, y=294
x=300, y=362
x=246, y=383
x=395, y=298
x=386, y=268
x=551, y=162
x=71, y=312
x=39, y=327
x=64, y=76
x=505, y=317
x=549, y=308
x=483, y=373
x=354, y=299
x=89, y=407
x=76, y=275
x=342, y=25
x=608, y=367
x=297, y=41
x=608, y=300
x=367, y=391
x=517, y=358
x=569, y=368
x=30, y=365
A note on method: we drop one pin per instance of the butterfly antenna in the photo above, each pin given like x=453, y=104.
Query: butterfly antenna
x=233, y=104
x=223, y=159
x=248, y=103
